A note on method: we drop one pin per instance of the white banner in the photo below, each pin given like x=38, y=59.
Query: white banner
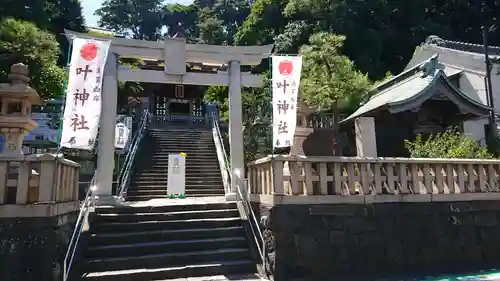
x=286, y=80
x=121, y=135
x=82, y=109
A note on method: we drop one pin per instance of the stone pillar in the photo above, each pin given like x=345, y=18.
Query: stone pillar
x=235, y=129
x=301, y=134
x=474, y=129
x=366, y=142
x=106, y=153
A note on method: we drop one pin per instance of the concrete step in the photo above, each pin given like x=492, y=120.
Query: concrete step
x=152, y=182
x=165, y=235
x=141, y=191
x=198, y=176
x=207, y=134
x=202, y=158
x=161, y=191
x=195, y=176
x=165, y=151
x=164, y=208
x=193, y=270
x=136, y=198
x=151, y=197
x=193, y=163
x=191, y=178
x=167, y=259
x=192, y=167
x=187, y=138
x=166, y=216
x=207, y=162
x=173, y=224
x=159, y=247
x=173, y=147
x=145, y=243
x=162, y=185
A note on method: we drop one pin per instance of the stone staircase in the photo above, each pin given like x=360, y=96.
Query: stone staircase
x=149, y=178
x=146, y=243
x=200, y=236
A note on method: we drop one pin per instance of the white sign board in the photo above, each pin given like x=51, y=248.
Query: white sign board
x=128, y=123
x=286, y=80
x=82, y=109
x=121, y=136
x=176, y=183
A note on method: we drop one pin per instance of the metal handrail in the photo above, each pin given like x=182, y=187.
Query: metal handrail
x=123, y=178
x=134, y=140
x=242, y=197
x=88, y=202
x=224, y=160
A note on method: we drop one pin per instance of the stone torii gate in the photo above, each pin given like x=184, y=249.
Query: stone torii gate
x=175, y=53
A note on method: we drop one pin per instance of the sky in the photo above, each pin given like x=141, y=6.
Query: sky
x=89, y=7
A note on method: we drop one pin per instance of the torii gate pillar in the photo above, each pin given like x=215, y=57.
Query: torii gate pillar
x=106, y=152
x=235, y=131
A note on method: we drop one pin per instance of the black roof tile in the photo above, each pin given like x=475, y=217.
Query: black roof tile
x=461, y=46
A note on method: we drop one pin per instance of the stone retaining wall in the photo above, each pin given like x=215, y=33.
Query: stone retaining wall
x=324, y=241
x=33, y=249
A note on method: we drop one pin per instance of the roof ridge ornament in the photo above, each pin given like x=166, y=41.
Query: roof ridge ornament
x=429, y=67
x=434, y=39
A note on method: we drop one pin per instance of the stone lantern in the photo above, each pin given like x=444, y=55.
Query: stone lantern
x=16, y=99
x=301, y=131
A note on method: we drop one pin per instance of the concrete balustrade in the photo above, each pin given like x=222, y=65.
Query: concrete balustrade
x=41, y=179
x=294, y=179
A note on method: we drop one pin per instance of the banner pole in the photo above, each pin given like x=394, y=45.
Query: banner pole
x=271, y=127
x=64, y=95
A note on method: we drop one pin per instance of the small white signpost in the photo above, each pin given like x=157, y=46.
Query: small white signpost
x=176, y=184
x=121, y=136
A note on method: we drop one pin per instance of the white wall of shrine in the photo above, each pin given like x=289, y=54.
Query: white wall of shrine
x=471, y=81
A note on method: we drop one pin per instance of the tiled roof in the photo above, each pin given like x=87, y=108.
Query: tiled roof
x=411, y=87
x=461, y=46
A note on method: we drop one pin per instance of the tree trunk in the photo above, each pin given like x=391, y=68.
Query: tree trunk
x=336, y=130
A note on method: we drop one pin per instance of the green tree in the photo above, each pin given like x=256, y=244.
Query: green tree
x=232, y=14
x=256, y=116
x=448, y=144
x=177, y=16
x=211, y=30
x=22, y=41
x=329, y=79
x=51, y=15
x=140, y=19
x=263, y=24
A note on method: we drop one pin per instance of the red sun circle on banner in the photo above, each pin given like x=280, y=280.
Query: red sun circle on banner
x=285, y=67
x=89, y=51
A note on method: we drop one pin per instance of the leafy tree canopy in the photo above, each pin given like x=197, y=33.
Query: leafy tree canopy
x=139, y=19
x=51, y=15
x=22, y=41
x=330, y=82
